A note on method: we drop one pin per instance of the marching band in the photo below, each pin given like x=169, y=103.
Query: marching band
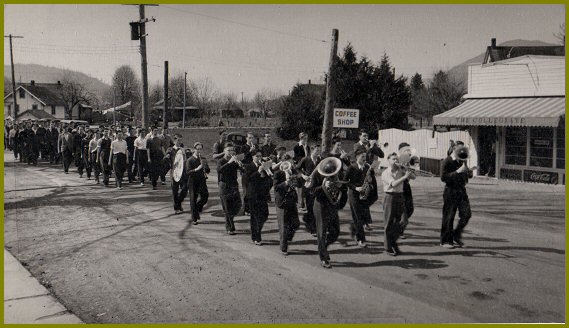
x=305, y=183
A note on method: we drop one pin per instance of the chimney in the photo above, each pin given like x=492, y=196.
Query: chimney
x=33, y=82
x=309, y=82
x=493, y=43
x=58, y=82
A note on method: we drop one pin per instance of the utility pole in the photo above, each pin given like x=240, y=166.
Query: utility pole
x=139, y=32
x=330, y=98
x=164, y=122
x=13, y=75
x=114, y=107
x=184, y=108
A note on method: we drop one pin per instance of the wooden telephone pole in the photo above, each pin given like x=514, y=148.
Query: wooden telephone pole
x=165, y=108
x=13, y=75
x=330, y=98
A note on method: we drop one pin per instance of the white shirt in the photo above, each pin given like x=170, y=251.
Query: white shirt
x=119, y=146
x=387, y=178
x=140, y=143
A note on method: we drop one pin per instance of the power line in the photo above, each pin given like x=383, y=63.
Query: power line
x=245, y=24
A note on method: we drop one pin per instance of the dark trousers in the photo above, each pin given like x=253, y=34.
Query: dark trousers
x=179, y=192
x=32, y=156
x=131, y=168
x=259, y=215
x=327, y=229
x=78, y=162
x=230, y=202
x=106, y=169
x=119, y=165
x=287, y=219
x=67, y=159
x=360, y=215
x=198, y=197
x=246, y=208
x=141, y=163
x=53, y=155
x=409, y=207
x=308, y=217
x=454, y=199
x=96, y=167
x=393, y=207
x=154, y=168
x=87, y=164
x=164, y=168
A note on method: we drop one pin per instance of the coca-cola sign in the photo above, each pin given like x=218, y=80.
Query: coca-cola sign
x=540, y=176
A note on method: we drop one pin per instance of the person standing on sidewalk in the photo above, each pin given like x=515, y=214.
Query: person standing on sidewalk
x=455, y=174
x=394, y=202
x=197, y=169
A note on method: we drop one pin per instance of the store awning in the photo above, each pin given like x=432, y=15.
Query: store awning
x=536, y=111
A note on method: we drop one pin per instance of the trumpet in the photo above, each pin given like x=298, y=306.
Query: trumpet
x=237, y=161
x=462, y=153
x=416, y=170
x=266, y=165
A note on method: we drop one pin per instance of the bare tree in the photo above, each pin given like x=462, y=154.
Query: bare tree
x=126, y=87
x=561, y=34
x=74, y=93
x=204, y=94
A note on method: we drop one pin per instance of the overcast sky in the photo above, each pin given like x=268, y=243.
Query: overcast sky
x=245, y=48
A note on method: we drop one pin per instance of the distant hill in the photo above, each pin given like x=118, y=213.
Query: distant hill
x=460, y=72
x=46, y=74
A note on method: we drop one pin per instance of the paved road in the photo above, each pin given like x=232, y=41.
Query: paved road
x=115, y=256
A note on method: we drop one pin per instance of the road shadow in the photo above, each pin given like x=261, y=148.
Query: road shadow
x=402, y=263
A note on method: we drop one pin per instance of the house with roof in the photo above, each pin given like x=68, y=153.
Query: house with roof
x=515, y=112
x=497, y=53
x=36, y=101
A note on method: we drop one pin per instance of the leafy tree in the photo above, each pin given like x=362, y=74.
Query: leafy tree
x=442, y=93
x=303, y=111
x=383, y=99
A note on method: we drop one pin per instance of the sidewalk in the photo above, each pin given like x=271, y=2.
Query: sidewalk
x=27, y=301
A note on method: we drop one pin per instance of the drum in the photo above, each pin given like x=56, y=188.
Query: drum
x=178, y=166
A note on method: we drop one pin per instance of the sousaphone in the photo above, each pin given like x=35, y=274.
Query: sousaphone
x=329, y=169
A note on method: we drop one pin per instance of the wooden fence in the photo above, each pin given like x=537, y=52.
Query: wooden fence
x=432, y=148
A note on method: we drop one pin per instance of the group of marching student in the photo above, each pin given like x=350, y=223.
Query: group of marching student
x=319, y=187
x=304, y=184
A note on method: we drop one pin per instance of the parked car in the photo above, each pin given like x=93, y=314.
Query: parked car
x=240, y=139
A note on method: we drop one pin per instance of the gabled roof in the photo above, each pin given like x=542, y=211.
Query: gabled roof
x=38, y=113
x=498, y=53
x=46, y=93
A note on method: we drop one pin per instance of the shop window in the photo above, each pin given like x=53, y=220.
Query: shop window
x=561, y=148
x=541, y=147
x=516, y=145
